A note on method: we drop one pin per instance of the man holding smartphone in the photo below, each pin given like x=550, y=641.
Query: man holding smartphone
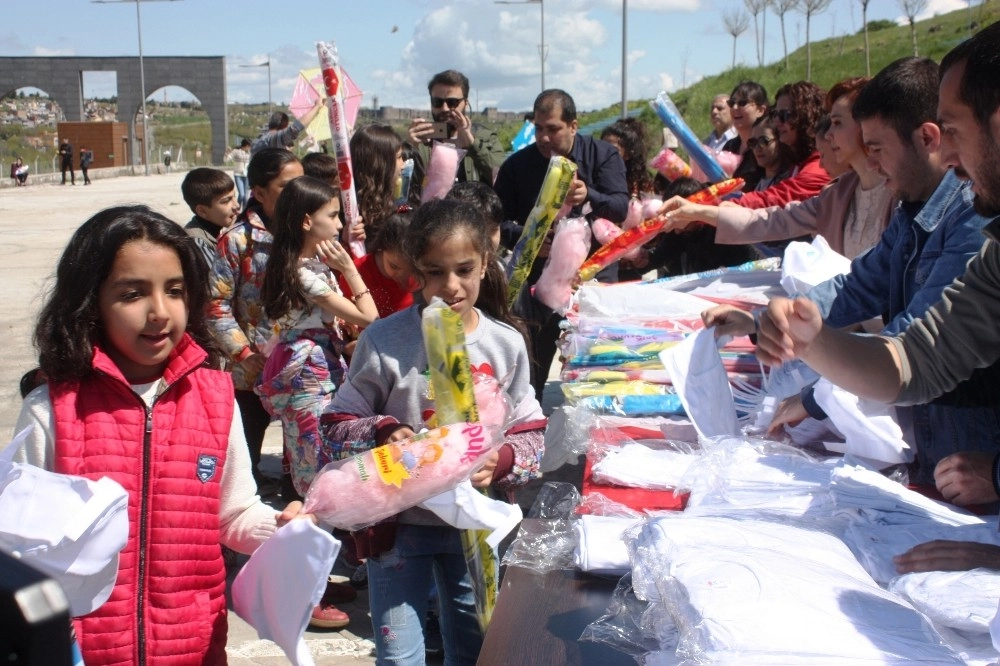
x=449, y=92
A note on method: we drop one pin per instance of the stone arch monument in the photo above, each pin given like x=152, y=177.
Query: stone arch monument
x=62, y=79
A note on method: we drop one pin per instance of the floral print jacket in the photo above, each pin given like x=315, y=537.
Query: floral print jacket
x=235, y=312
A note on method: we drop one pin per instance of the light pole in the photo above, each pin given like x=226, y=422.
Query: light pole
x=142, y=70
x=624, y=58
x=266, y=63
x=541, y=47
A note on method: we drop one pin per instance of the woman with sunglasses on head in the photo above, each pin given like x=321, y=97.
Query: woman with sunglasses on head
x=747, y=104
x=850, y=214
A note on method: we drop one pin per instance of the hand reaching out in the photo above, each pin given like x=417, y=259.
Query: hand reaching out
x=966, y=478
x=948, y=556
x=791, y=411
x=787, y=328
x=729, y=320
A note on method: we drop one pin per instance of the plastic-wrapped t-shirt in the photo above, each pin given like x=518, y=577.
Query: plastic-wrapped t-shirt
x=761, y=592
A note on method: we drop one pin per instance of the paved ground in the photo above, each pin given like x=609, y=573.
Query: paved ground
x=35, y=224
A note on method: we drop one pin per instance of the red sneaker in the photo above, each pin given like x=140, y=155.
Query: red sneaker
x=328, y=616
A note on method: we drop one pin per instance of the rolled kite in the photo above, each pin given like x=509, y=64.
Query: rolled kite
x=329, y=64
x=632, y=239
x=671, y=117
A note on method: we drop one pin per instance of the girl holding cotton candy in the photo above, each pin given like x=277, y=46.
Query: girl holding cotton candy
x=386, y=399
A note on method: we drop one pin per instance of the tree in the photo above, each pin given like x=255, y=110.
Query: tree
x=864, y=23
x=736, y=21
x=810, y=7
x=782, y=7
x=756, y=7
x=912, y=8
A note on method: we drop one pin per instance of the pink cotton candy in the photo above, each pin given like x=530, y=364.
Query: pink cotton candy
x=441, y=171
x=374, y=485
x=492, y=402
x=605, y=231
x=650, y=207
x=634, y=216
x=570, y=247
x=727, y=160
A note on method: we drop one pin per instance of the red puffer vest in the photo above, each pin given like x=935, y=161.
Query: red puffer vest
x=168, y=606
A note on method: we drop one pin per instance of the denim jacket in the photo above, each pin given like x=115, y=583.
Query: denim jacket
x=900, y=278
x=916, y=258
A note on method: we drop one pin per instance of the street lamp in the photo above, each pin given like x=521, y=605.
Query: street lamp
x=266, y=63
x=624, y=58
x=142, y=70
x=541, y=47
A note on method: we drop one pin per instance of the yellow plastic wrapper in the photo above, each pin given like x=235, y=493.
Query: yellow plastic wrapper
x=550, y=200
x=448, y=363
x=455, y=402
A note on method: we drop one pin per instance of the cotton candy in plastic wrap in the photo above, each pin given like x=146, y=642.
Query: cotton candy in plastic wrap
x=634, y=215
x=442, y=170
x=547, y=209
x=372, y=486
x=329, y=64
x=671, y=117
x=650, y=207
x=727, y=160
x=669, y=165
x=570, y=246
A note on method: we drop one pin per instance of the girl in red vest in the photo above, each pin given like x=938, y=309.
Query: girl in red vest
x=132, y=395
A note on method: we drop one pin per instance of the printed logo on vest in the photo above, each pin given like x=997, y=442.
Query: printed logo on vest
x=206, y=467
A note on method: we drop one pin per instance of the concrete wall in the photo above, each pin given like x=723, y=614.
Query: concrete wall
x=62, y=79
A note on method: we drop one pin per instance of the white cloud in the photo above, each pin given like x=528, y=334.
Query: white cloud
x=652, y=5
x=44, y=51
x=935, y=7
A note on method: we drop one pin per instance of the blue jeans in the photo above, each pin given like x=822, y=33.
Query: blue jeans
x=399, y=582
x=242, y=187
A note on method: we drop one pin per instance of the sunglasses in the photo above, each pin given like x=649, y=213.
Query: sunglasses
x=452, y=102
x=738, y=102
x=784, y=115
x=763, y=142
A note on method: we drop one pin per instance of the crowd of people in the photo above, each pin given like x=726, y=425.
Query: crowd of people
x=185, y=346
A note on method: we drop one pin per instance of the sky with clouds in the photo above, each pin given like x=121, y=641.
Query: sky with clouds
x=392, y=47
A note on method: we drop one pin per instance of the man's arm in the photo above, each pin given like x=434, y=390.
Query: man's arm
x=487, y=155
x=867, y=366
x=608, y=192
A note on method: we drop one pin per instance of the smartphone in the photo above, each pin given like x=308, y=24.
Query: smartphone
x=440, y=131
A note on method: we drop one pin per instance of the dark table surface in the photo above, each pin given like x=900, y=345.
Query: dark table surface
x=539, y=618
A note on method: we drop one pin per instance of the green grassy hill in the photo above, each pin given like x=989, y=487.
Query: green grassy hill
x=832, y=60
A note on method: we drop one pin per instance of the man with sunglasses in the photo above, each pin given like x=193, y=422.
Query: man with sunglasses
x=449, y=91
